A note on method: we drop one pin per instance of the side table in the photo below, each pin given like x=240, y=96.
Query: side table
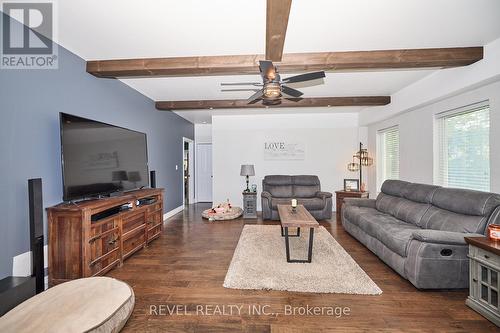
x=484, y=277
x=249, y=205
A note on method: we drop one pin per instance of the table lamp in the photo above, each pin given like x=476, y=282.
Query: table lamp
x=247, y=170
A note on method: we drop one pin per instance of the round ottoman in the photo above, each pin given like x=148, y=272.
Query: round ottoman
x=97, y=304
x=232, y=214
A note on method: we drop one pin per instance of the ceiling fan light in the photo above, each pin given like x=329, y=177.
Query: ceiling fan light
x=272, y=90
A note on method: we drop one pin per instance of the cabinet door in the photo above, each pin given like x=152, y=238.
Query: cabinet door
x=488, y=286
x=104, y=247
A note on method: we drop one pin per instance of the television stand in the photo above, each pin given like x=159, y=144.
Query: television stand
x=92, y=237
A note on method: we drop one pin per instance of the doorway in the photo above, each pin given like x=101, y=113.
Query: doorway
x=187, y=171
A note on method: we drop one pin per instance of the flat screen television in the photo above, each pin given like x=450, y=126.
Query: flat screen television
x=99, y=159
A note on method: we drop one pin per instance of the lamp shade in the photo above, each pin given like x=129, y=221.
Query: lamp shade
x=247, y=170
x=353, y=166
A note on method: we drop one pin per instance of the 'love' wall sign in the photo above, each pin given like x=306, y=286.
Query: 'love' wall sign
x=283, y=150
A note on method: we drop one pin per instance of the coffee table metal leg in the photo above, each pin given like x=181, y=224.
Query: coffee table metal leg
x=311, y=239
x=310, y=247
x=287, y=245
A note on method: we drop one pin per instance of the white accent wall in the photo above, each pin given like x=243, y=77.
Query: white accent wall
x=330, y=141
x=414, y=108
x=416, y=133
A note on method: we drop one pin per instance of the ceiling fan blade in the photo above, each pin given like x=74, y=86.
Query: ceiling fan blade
x=242, y=84
x=291, y=92
x=305, y=77
x=252, y=99
x=267, y=70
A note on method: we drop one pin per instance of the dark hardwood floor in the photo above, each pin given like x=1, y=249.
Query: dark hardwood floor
x=186, y=266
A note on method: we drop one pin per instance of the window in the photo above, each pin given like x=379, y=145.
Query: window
x=463, y=148
x=388, y=154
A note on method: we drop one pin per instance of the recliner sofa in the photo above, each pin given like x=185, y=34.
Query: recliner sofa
x=280, y=190
x=419, y=230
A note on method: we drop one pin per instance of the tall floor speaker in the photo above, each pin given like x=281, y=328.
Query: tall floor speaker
x=36, y=231
x=152, y=178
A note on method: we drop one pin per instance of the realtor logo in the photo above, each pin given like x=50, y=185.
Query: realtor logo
x=27, y=34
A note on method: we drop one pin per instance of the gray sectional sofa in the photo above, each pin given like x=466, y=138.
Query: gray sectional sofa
x=280, y=190
x=419, y=229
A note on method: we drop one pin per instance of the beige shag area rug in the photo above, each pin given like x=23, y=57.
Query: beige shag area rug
x=259, y=262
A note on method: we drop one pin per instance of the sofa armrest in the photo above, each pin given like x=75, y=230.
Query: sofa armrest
x=323, y=195
x=360, y=202
x=266, y=195
x=442, y=237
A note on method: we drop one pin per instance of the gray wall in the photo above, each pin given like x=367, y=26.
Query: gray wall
x=30, y=102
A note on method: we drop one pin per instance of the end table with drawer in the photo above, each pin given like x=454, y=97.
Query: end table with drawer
x=347, y=194
x=484, y=277
x=249, y=205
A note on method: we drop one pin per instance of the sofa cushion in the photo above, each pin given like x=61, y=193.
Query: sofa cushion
x=309, y=203
x=395, y=234
x=401, y=208
x=386, y=203
x=367, y=221
x=305, y=186
x=441, y=219
x=466, y=202
x=281, y=191
x=394, y=187
x=305, y=191
x=353, y=213
x=419, y=192
x=279, y=186
x=312, y=203
x=277, y=180
x=410, y=211
x=306, y=180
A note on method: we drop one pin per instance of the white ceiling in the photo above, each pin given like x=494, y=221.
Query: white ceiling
x=114, y=29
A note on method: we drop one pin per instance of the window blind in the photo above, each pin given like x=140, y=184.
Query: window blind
x=388, y=146
x=464, y=148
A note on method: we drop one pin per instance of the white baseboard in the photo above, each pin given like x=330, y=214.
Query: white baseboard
x=172, y=212
x=21, y=264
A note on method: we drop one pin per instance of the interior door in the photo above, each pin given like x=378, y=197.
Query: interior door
x=204, y=172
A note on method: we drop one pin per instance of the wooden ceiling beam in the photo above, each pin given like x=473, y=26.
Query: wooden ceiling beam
x=243, y=103
x=277, y=15
x=291, y=63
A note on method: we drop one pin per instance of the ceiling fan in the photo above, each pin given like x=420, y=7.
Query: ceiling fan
x=273, y=87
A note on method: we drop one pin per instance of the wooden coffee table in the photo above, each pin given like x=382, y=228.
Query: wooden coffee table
x=301, y=218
